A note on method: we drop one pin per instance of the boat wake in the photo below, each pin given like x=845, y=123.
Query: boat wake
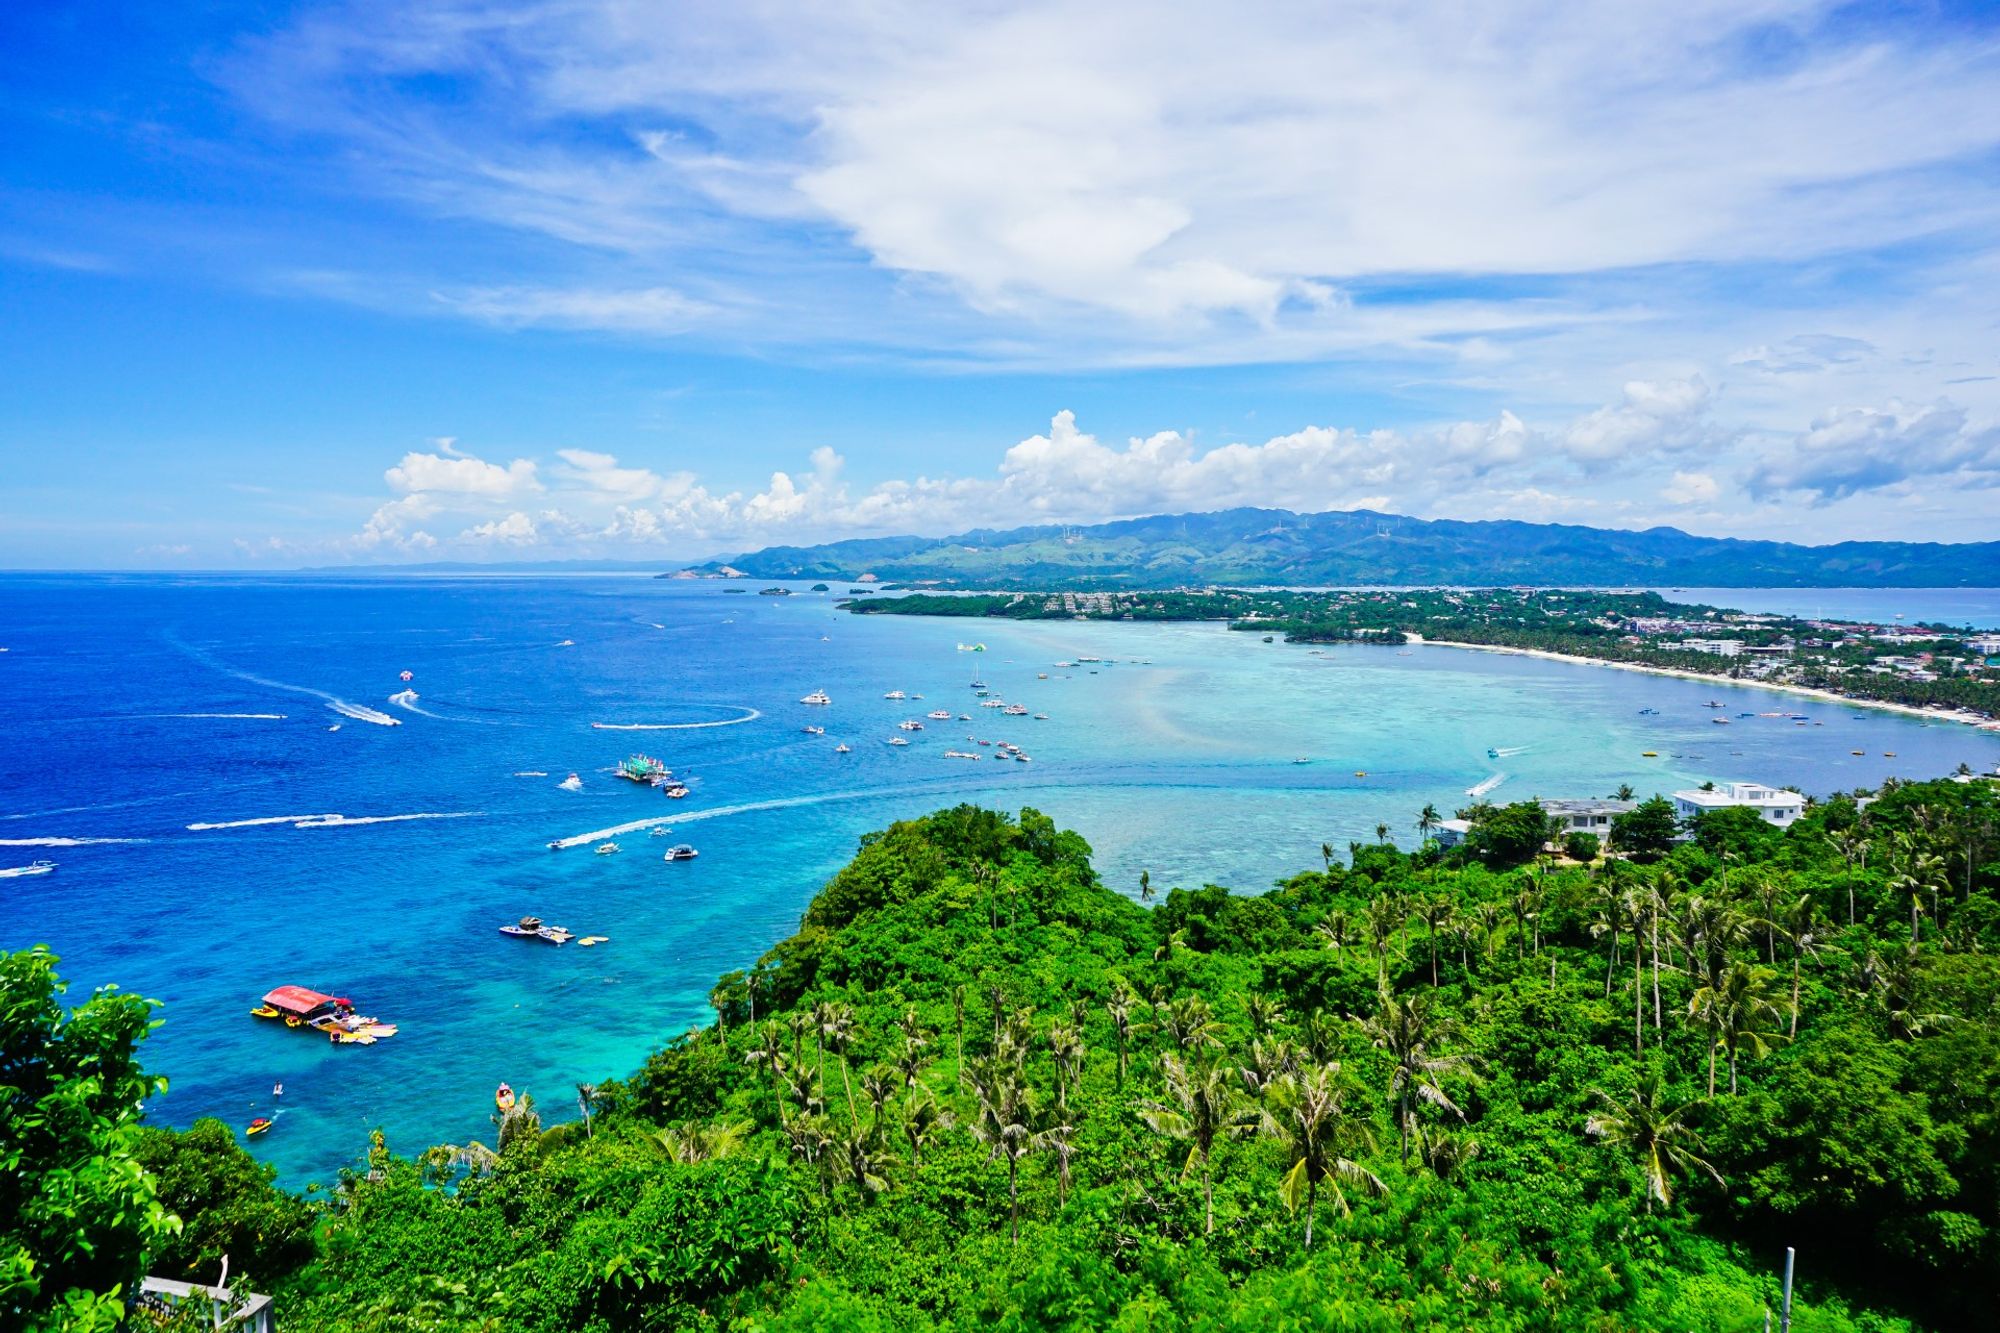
x=261, y=717
x=1481, y=789
x=333, y=701
x=61, y=842
x=749, y=715
x=678, y=818
x=330, y=821
x=1509, y=751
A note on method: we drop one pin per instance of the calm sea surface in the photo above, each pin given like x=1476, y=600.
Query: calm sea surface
x=1976, y=607
x=134, y=708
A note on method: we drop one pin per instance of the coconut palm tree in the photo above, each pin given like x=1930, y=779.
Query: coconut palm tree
x=810, y=1137
x=1382, y=833
x=586, y=1101
x=1262, y=1012
x=1119, y=1007
x=1067, y=1049
x=692, y=1142
x=1660, y=1141
x=837, y=1033
x=1059, y=1142
x=1409, y=1031
x=1383, y=918
x=1332, y=929
x=924, y=1119
x=1319, y=1036
x=1005, y=1125
x=767, y=1048
x=799, y=1022
x=1145, y=886
x=1805, y=928
x=1268, y=1059
x=1201, y=1105
x=1428, y=821
x=958, y=1026
x=1437, y=914
x=878, y=1085
x=1741, y=1009
x=1326, y=856
x=865, y=1162
x=1308, y=1115
x=1191, y=1025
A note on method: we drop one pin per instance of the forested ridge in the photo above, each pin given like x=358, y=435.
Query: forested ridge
x=1481, y=1089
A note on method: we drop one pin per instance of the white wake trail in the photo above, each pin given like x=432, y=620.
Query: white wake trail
x=749, y=715
x=1479, y=790
x=333, y=701
x=780, y=803
x=328, y=820
x=61, y=842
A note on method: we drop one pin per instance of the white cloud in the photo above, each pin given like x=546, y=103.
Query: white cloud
x=1235, y=164
x=1855, y=450
x=516, y=529
x=1690, y=488
x=1653, y=416
x=462, y=475
x=1805, y=353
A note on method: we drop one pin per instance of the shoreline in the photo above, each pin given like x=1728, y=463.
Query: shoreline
x=1958, y=715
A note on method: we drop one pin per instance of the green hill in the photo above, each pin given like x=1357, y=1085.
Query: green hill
x=980, y=1089
x=1275, y=546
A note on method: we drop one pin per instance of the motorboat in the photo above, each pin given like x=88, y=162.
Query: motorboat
x=895, y=694
x=818, y=697
x=911, y=725
x=524, y=929
x=939, y=715
x=571, y=783
x=555, y=934
x=680, y=852
x=962, y=754
x=1720, y=721
x=262, y=1124
x=1016, y=710
x=965, y=717
x=898, y=740
x=676, y=791
x=813, y=731
x=843, y=748
x=607, y=848
x=1041, y=717
x=659, y=831
x=32, y=868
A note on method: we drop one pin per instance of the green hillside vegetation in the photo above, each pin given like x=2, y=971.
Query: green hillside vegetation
x=1278, y=547
x=1489, y=1089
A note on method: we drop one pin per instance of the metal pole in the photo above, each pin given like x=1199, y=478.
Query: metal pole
x=1785, y=1320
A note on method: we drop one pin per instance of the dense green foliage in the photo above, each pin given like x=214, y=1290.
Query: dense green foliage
x=77, y=1212
x=1276, y=547
x=978, y=1088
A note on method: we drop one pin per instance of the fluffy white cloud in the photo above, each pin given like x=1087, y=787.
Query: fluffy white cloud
x=462, y=475
x=1054, y=157
x=1691, y=488
x=516, y=529
x=1653, y=416
x=601, y=475
x=1854, y=450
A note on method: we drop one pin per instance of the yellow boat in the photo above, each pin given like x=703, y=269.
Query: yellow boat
x=1649, y=754
x=264, y=1011
x=258, y=1126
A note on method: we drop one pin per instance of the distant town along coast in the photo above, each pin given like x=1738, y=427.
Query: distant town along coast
x=1938, y=671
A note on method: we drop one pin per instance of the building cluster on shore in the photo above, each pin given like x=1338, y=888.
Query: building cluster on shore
x=1776, y=806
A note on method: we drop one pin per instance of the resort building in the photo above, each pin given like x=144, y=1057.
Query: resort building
x=1719, y=647
x=1585, y=816
x=1775, y=806
x=1452, y=832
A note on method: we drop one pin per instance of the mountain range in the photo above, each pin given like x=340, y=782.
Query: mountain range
x=1277, y=547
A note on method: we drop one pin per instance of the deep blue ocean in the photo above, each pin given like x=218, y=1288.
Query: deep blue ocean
x=171, y=743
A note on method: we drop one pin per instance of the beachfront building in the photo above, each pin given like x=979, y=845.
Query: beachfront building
x=1452, y=832
x=1585, y=816
x=1772, y=804
x=1718, y=647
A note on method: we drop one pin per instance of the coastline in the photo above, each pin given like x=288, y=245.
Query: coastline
x=1958, y=715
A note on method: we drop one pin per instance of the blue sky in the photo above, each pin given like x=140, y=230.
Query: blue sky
x=309, y=284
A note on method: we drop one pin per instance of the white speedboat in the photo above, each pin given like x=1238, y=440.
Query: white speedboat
x=898, y=740
x=607, y=848
x=659, y=831
x=817, y=697
x=33, y=868
x=911, y=725
x=939, y=715
x=843, y=748
x=571, y=783
x=895, y=694
x=813, y=731
x=680, y=852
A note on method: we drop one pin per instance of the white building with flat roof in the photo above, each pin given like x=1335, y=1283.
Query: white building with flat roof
x=1773, y=805
x=1586, y=816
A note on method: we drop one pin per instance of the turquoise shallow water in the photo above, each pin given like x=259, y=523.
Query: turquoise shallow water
x=1177, y=758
